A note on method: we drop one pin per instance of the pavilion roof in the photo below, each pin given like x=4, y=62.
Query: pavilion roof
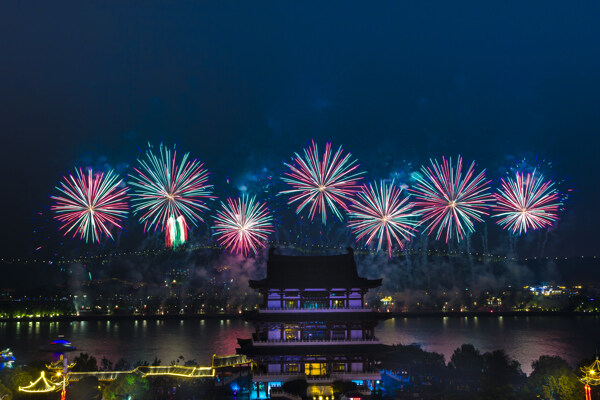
x=41, y=385
x=304, y=272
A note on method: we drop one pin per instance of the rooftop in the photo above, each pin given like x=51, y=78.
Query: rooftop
x=303, y=272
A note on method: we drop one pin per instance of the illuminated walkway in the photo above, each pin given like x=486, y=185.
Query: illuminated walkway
x=43, y=385
x=171, y=370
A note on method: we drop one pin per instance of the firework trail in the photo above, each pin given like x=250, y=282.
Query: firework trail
x=176, y=232
x=526, y=202
x=322, y=183
x=449, y=200
x=168, y=195
x=243, y=225
x=90, y=204
x=380, y=213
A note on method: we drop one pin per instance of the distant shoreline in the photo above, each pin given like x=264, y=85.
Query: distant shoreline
x=224, y=316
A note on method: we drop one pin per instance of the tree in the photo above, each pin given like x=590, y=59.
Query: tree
x=552, y=379
x=106, y=364
x=297, y=387
x=343, y=386
x=127, y=385
x=424, y=366
x=18, y=378
x=85, y=363
x=502, y=369
x=85, y=389
x=5, y=393
x=122, y=365
x=140, y=363
x=501, y=376
x=467, y=363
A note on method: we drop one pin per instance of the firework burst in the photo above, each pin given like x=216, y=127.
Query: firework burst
x=380, y=213
x=90, y=204
x=322, y=183
x=449, y=200
x=527, y=202
x=169, y=194
x=243, y=225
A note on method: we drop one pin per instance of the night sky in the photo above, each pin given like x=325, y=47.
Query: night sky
x=242, y=85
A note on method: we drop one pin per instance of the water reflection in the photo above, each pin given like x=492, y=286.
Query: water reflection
x=524, y=338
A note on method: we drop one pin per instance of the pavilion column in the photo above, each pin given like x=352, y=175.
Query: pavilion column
x=281, y=331
x=281, y=298
x=362, y=298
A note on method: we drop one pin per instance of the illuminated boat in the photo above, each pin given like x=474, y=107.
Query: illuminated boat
x=60, y=345
x=7, y=359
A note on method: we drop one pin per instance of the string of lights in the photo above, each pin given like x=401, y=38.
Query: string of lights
x=298, y=247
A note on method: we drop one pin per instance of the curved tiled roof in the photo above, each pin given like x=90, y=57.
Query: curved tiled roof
x=302, y=272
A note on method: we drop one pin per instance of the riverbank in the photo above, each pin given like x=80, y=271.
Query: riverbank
x=225, y=316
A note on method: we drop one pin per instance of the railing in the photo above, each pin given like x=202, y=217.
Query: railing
x=376, y=373
x=229, y=361
x=281, y=393
x=363, y=389
x=347, y=375
x=145, y=371
x=308, y=342
x=373, y=374
x=401, y=376
x=277, y=376
x=269, y=374
x=264, y=310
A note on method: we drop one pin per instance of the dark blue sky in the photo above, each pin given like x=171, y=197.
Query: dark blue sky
x=241, y=84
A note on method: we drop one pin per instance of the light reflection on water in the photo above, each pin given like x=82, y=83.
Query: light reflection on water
x=524, y=338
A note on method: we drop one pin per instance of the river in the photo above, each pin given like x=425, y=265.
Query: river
x=524, y=338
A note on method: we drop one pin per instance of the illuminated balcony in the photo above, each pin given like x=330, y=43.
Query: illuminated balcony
x=314, y=310
x=372, y=375
x=306, y=342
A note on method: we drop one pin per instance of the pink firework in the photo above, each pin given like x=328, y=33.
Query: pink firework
x=90, y=204
x=380, y=213
x=243, y=225
x=526, y=203
x=322, y=183
x=450, y=201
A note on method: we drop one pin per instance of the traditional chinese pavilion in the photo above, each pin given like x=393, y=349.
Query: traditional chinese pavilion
x=313, y=325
